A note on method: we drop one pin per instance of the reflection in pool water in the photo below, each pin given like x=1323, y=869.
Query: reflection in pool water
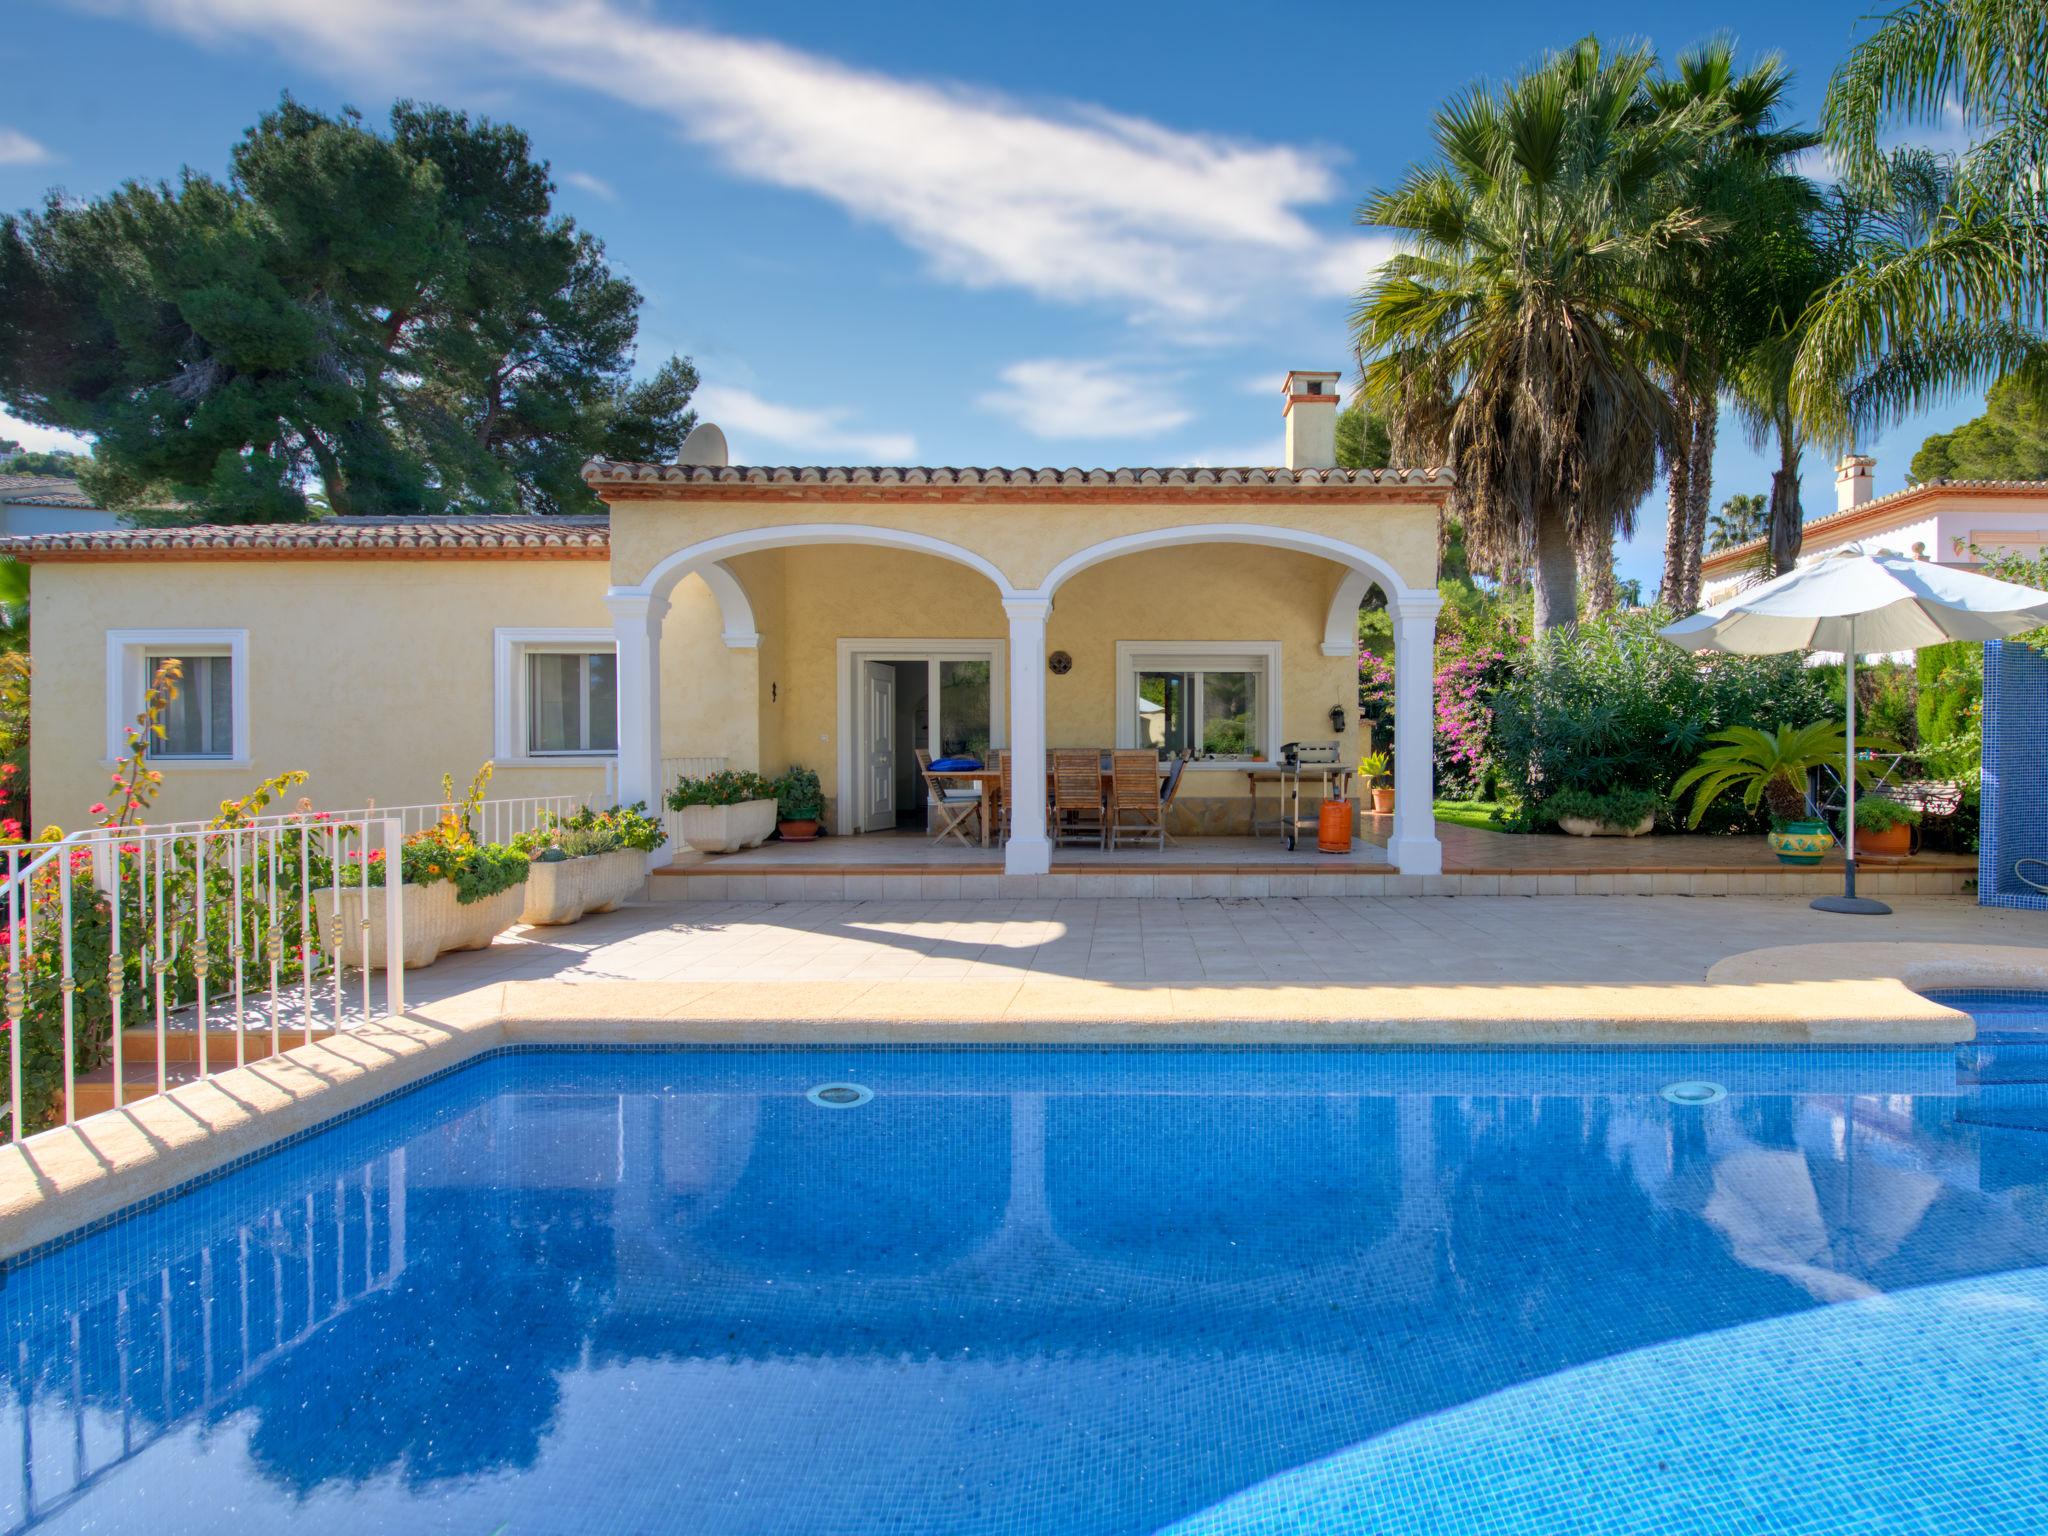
x=1087, y=1291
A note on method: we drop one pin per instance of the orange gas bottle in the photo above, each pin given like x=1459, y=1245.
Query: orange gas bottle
x=1333, y=827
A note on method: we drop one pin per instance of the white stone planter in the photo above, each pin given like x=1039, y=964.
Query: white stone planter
x=435, y=922
x=1578, y=826
x=728, y=828
x=566, y=890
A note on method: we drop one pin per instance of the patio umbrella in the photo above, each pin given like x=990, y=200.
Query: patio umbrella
x=1855, y=603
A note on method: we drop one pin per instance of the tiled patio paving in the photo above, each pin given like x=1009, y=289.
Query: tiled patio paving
x=1364, y=941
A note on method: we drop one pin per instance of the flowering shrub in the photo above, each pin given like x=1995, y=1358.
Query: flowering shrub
x=448, y=850
x=729, y=786
x=630, y=825
x=1612, y=706
x=1470, y=669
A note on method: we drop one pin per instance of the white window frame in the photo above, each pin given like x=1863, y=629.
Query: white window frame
x=510, y=649
x=128, y=652
x=1135, y=656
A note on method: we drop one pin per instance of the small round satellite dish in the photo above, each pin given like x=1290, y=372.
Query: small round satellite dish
x=705, y=445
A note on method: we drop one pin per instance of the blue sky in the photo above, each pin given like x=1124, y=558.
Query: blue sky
x=942, y=233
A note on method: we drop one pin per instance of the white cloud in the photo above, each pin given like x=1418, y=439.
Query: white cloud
x=819, y=432
x=40, y=439
x=1072, y=203
x=596, y=186
x=1070, y=398
x=17, y=148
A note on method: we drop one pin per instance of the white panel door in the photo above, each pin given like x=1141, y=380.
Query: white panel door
x=878, y=809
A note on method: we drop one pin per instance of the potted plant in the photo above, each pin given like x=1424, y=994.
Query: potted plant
x=1884, y=827
x=799, y=804
x=1373, y=769
x=1617, y=813
x=726, y=811
x=1770, y=768
x=588, y=862
x=459, y=893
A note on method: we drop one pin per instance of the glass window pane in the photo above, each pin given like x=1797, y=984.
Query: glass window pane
x=199, y=722
x=602, y=691
x=553, y=687
x=963, y=709
x=1164, y=708
x=1230, y=706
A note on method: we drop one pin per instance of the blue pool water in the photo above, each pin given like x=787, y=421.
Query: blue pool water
x=1219, y=1292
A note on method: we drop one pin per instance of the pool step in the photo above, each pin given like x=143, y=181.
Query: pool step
x=2008, y=1106
x=95, y=1090
x=1991, y=1060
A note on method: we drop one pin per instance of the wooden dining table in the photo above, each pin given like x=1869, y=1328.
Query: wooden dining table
x=989, y=781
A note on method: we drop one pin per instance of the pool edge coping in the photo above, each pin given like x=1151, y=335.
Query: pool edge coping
x=62, y=1184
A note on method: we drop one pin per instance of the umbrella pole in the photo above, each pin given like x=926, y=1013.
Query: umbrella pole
x=1849, y=901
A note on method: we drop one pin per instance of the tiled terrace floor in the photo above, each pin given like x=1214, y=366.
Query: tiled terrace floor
x=1367, y=941
x=1467, y=850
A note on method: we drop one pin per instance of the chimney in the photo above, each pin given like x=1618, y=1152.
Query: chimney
x=1311, y=412
x=1855, y=479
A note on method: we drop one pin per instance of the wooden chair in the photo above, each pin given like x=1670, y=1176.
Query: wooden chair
x=1167, y=793
x=953, y=805
x=1135, y=808
x=1003, y=797
x=1077, y=795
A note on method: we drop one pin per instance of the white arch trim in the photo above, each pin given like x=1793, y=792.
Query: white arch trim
x=661, y=580
x=735, y=612
x=1340, y=629
x=1362, y=561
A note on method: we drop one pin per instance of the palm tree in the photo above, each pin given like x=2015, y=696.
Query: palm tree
x=1508, y=339
x=1742, y=518
x=1956, y=294
x=1723, y=305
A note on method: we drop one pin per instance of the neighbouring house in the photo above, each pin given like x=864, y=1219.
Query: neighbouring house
x=32, y=504
x=838, y=617
x=1946, y=521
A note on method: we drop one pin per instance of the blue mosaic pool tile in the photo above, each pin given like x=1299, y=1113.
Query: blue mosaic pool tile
x=1087, y=1291
x=2014, y=806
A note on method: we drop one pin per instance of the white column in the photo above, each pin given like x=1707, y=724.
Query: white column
x=636, y=629
x=1027, y=852
x=1413, y=848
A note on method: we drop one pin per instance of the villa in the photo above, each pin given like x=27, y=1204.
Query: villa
x=841, y=618
x=1947, y=521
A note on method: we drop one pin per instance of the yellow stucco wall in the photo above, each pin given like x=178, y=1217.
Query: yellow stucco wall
x=1206, y=592
x=1026, y=539
x=374, y=675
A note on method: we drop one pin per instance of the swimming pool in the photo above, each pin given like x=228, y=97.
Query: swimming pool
x=1091, y=1291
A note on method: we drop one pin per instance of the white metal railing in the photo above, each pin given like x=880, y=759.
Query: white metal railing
x=673, y=768
x=185, y=934
x=494, y=821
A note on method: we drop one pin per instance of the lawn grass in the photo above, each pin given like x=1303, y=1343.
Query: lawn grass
x=1469, y=813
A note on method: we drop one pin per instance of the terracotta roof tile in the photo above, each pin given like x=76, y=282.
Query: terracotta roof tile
x=45, y=491
x=607, y=472
x=337, y=536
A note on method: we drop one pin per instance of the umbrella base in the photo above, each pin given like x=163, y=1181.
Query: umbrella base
x=1859, y=906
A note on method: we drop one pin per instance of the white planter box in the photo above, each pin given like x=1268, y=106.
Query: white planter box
x=564, y=891
x=435, y=922
x=728, y=828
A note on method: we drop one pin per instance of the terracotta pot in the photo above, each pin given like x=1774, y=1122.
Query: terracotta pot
x=1382, y=800
x=728, y=828
x=1891, y=843
x=797, y=831
x=1333, y=827
x=567, y=889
